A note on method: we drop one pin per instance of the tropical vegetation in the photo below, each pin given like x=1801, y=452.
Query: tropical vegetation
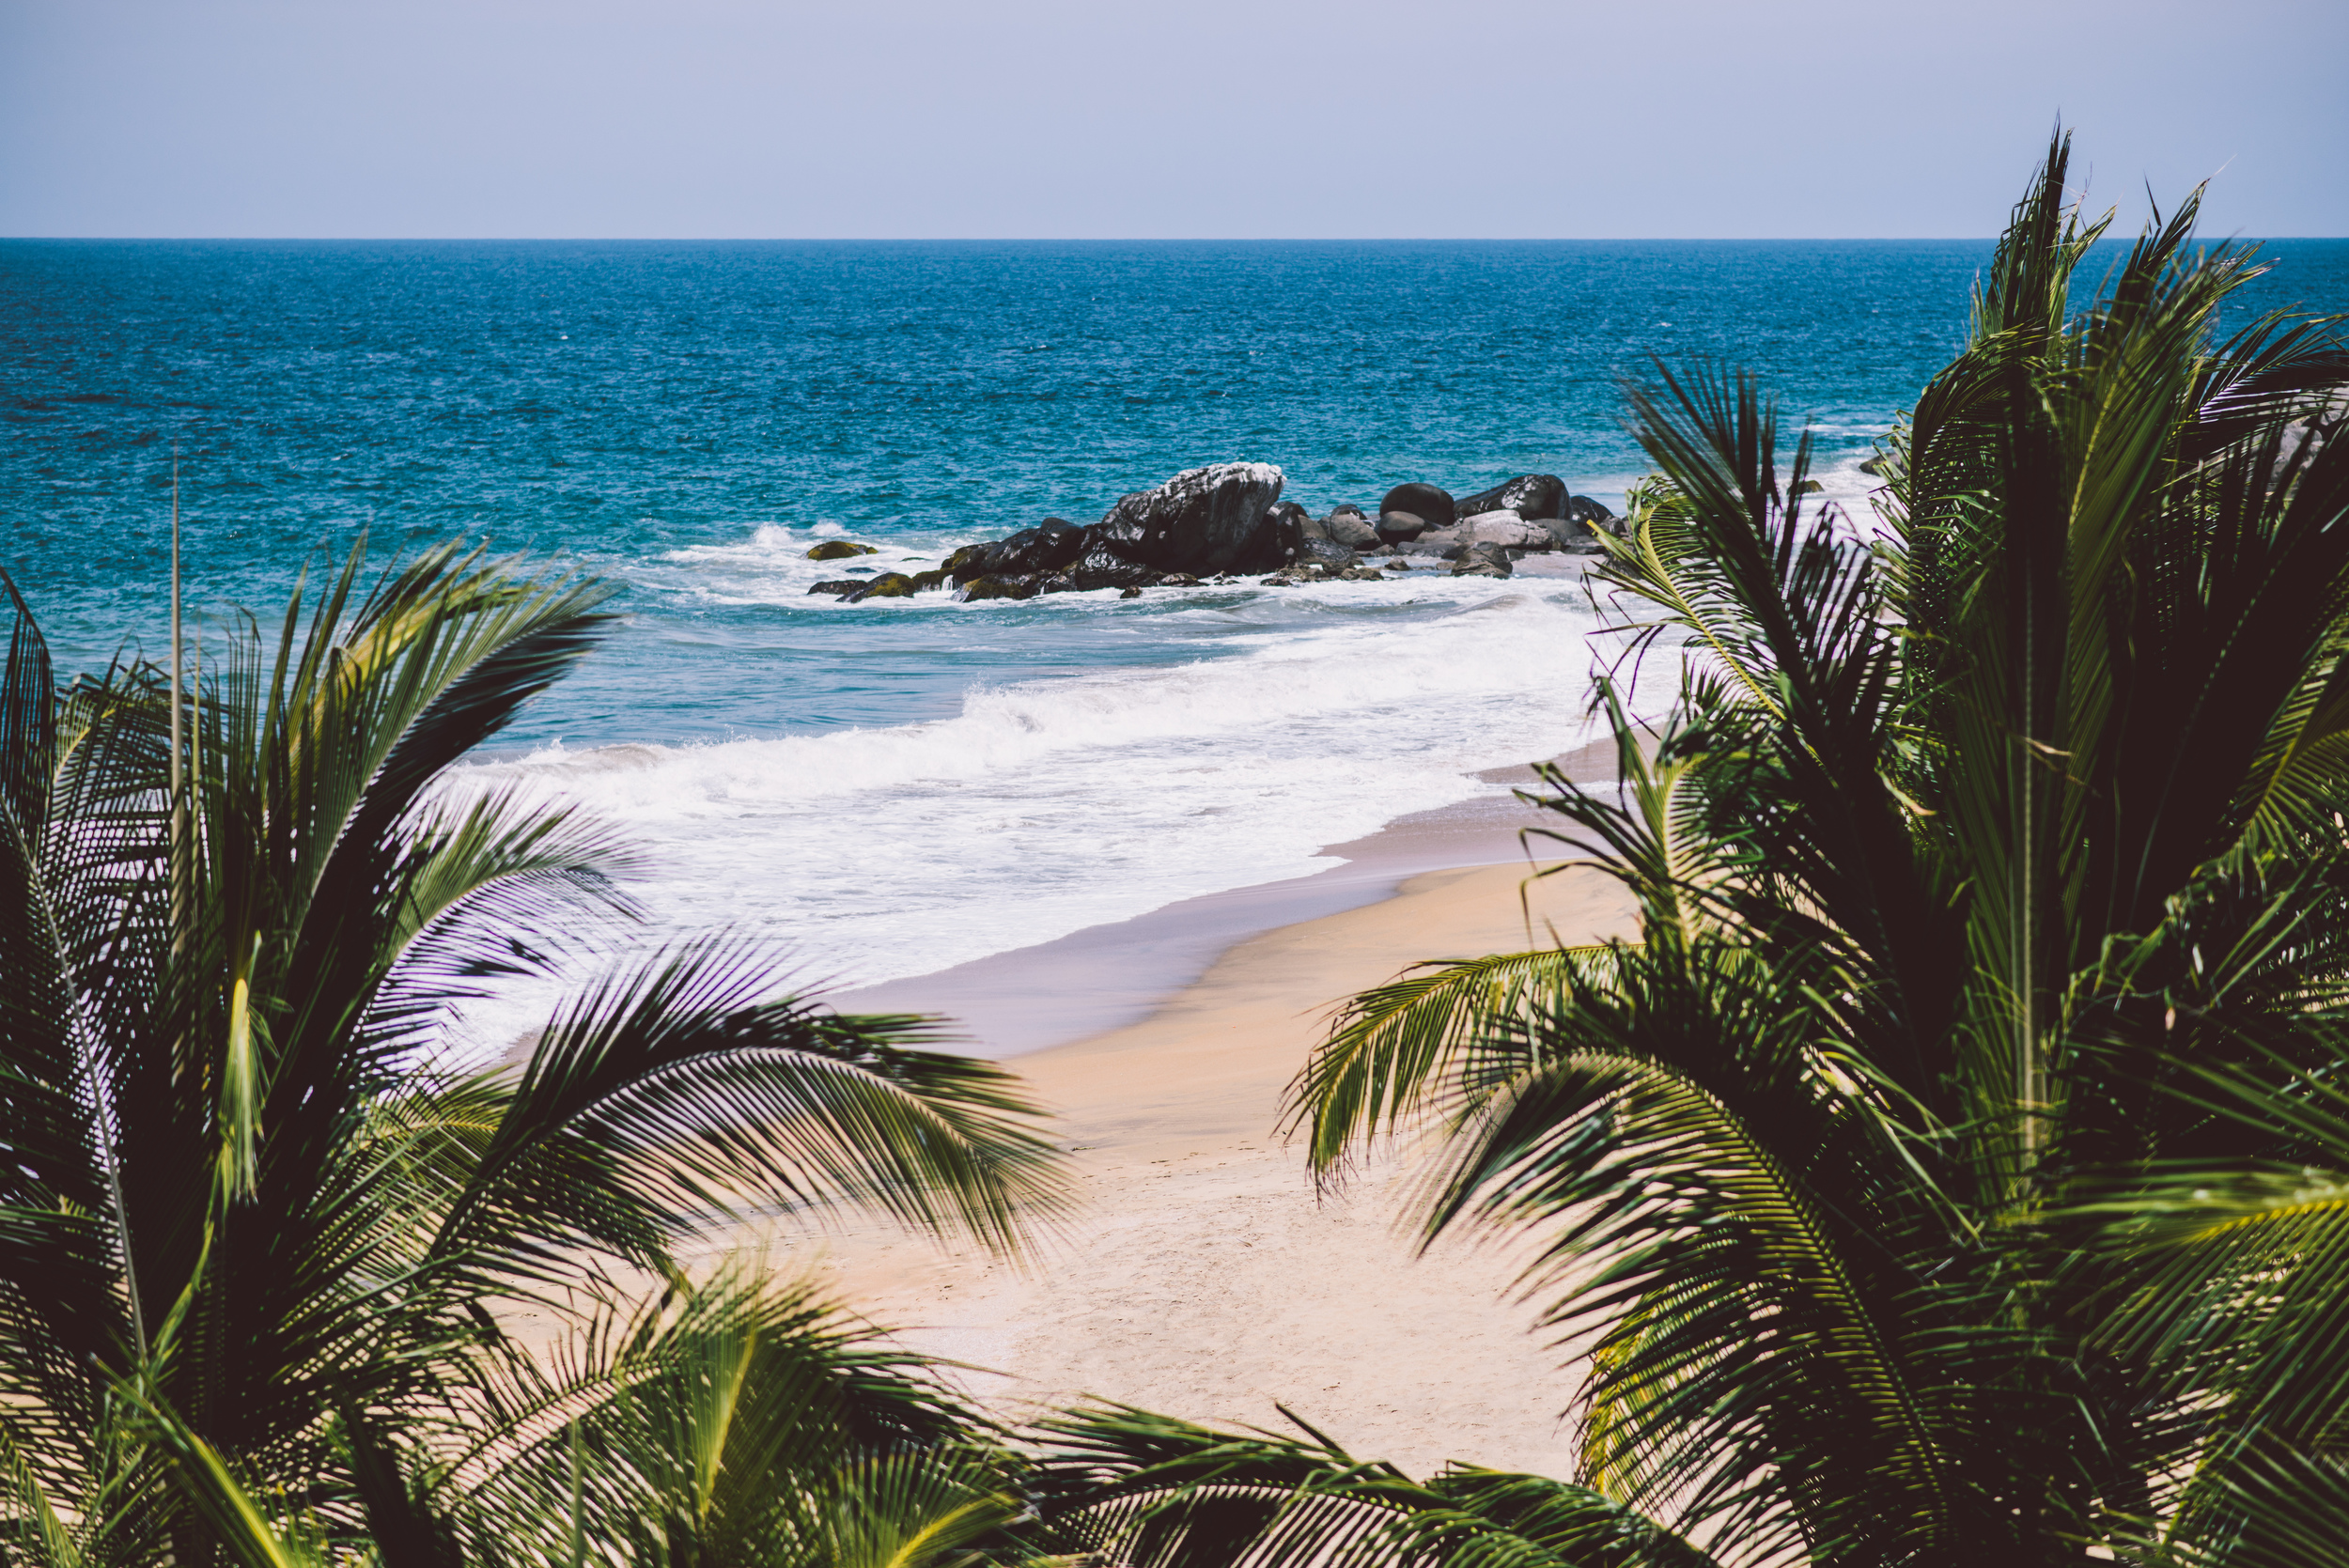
x=1954, y=1167
x=265, y=1243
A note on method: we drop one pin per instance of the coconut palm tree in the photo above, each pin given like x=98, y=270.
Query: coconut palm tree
x=249, y=1207
x=1955, y=1169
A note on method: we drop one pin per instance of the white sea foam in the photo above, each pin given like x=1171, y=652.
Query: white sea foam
x=1050, y=805
x=1044, y=806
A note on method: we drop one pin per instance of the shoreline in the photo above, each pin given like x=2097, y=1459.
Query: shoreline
x=1202, y=1273
x=1110, y=976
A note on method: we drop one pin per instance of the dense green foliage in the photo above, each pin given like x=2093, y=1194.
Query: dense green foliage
x=257, y=1238
x=1955, y=1169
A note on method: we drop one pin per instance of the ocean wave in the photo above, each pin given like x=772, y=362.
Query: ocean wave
x=1045, y=806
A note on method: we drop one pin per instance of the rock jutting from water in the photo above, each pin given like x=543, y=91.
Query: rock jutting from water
x=1531, y=496
x=1207, y=525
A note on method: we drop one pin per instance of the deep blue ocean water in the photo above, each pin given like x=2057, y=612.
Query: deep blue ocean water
x=687, y=418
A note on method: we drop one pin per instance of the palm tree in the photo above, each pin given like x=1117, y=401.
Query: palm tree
x=1956, y=1167
x=254, y=1225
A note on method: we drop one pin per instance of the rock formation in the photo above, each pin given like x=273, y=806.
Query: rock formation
x=1483, y=560
x=1506, y=529
x=1348, y=527
x=1204, y=520
x=1581, y=509
x=1531, y=496
x=1210, y=524
x=1431, y=505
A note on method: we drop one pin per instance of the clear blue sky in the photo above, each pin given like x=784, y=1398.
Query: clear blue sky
x=1099, y=119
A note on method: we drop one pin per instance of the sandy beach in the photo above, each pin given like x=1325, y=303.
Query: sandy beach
x=1202, y=1275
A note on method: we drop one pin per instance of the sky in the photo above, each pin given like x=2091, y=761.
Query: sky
x=1141, y=118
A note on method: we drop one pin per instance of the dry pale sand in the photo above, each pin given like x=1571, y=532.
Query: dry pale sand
x=1203, y=1276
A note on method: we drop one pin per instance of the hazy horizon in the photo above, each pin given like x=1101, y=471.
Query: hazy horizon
x=1049, y=119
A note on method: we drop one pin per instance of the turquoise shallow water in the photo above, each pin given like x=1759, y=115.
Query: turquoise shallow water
x=688, y=417
x=618, y=401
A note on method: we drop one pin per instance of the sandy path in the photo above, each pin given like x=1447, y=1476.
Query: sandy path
x=1202, y=1277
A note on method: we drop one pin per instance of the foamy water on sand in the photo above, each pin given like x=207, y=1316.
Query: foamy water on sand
x=1314, y=716
x=895, y=787
x=1300, y=718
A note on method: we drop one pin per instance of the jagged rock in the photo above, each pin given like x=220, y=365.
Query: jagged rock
x=1348, y=527
x=1204, y=520
x=1401, y=527
x=1506, y=529
x=1421, y=501
x=1273, y=541
x=1286, y=529
x=889, y=585
x=1175, y=579
x=1326, y=552
x=997, y=587
x=1531, y=496
x=1048, y=546
x=1581, y=509
x=925, y=581
x=838, y=550
x=839, y=586
x=1362, y=574
x=1055, y=582
x=1102, y=567
x=1483, y=560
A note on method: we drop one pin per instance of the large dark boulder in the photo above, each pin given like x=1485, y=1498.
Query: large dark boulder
x=839, y=586
x=1204, y=520
x=1397, y=528
x=1531, y=496
x=1427, y=503
x=1278, y=536
x=1048, y=546
x=1581, y=509
x=1102, y=567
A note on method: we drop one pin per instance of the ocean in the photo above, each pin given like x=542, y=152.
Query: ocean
x=891, y=789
